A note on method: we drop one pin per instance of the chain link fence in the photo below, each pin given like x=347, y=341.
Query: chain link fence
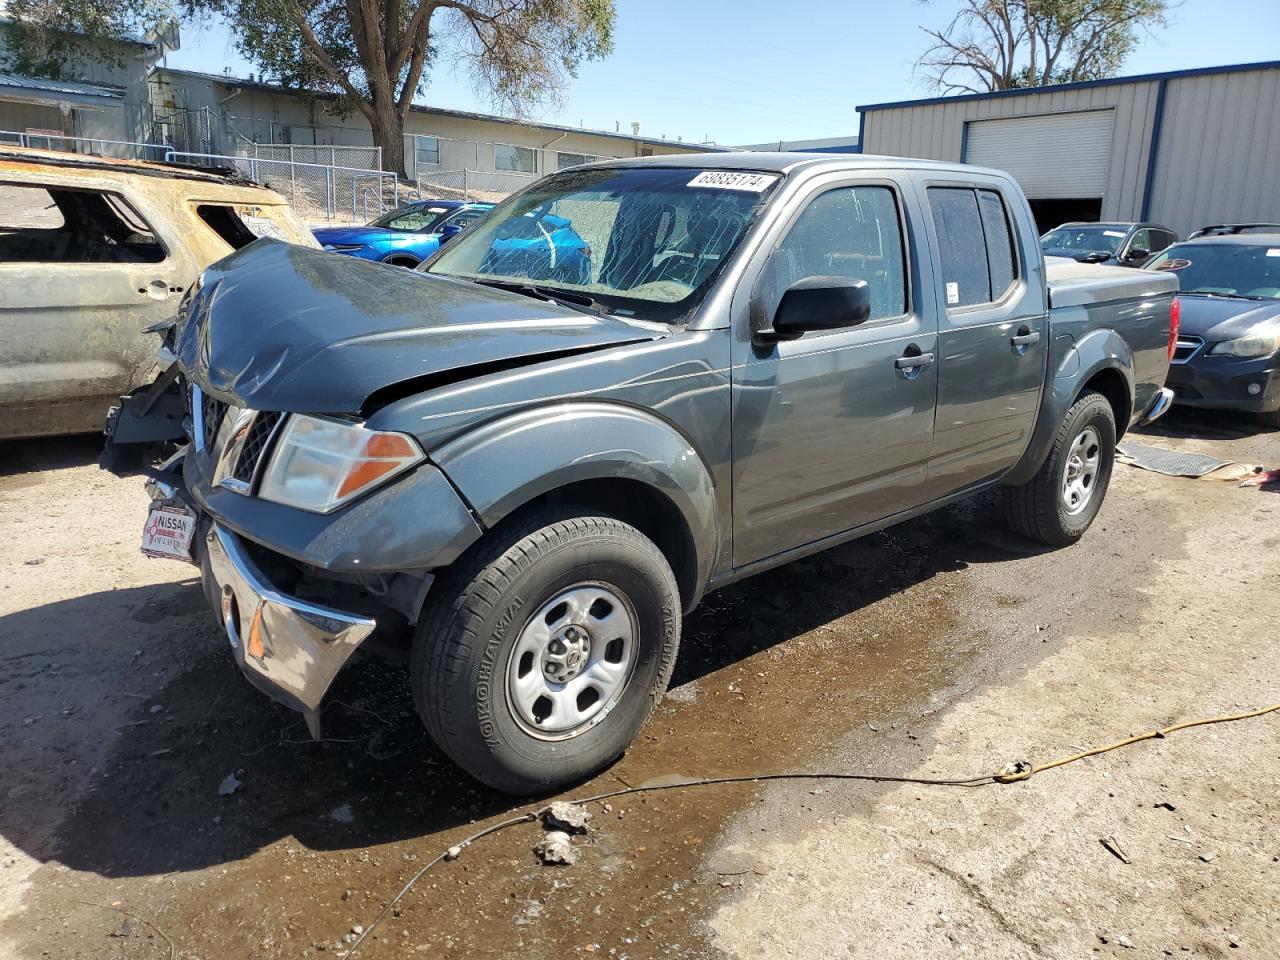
x=487, y=186
x=318, y=192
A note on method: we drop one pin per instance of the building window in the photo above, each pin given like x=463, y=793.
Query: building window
x=571, y=160
x=426, y=149
x=514, y=159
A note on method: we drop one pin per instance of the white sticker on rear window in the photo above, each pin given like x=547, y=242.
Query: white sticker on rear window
x=953, y=293
x=1274, y=252
x=733, y=180
x=1113, y=233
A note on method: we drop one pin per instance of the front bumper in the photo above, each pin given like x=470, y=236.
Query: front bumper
x=1227, y=383
x=288, y=648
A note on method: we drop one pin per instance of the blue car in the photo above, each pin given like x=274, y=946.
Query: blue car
x=407, y=235
x=544, y=248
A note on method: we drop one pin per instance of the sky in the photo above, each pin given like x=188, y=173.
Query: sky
x=746, y=71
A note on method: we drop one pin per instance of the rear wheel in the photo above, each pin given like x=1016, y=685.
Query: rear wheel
x=1059, y=503
x=544, y=652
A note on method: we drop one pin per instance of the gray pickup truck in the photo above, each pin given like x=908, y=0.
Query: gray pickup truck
x=525, y=472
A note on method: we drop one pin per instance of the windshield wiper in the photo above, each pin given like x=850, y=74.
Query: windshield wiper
x=1215, y=293
x=538, y=292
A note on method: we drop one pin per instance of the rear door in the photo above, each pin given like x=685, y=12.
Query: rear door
x=83, y=274
x=833, y=430
x=993, y=332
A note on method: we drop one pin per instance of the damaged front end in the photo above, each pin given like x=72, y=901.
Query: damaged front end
x=291, y=624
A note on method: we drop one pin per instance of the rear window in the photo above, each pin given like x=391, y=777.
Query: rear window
x=975, y=242
x=54, y=224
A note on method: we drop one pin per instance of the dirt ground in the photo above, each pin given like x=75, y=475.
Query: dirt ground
x=943, y=647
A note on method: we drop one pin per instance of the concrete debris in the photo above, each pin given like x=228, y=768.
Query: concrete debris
x=1207, y=857
x=556, y=849
x=453, y=853
x=229, y=786
x=568, y=817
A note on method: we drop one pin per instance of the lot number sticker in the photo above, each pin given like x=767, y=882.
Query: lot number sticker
x=953, y=294
x=733, y=180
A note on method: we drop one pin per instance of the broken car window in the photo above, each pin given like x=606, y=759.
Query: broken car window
x=55, y=224
x=640, y=241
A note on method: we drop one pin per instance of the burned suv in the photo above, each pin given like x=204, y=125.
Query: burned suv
x=93, y=251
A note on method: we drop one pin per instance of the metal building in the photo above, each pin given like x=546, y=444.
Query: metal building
x=1186, y=148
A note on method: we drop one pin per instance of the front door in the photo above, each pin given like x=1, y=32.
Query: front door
x=993, y=337
x=834, y=430
x=82, y=275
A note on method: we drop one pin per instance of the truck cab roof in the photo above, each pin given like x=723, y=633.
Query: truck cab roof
x=785, y=163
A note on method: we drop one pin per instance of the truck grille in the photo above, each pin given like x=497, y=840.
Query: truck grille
x=212, y=411
x=255, y=445
x=235, y=441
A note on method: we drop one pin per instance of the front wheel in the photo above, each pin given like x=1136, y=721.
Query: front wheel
x=1058, y=504
x=544, y=652
x=1270, y=419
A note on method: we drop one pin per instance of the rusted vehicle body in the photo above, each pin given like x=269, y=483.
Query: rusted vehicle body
x=93, y=251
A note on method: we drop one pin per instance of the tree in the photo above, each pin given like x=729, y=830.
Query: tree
x=1004, y=44
x=371, y=55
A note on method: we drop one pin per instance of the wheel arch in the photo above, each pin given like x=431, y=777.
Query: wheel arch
x=624, y=462
x=1101, y=360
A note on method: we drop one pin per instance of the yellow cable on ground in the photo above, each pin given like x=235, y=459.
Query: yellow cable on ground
x=1022, y=770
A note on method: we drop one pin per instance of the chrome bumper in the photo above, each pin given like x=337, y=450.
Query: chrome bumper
x=1159, y=406
x=288, y=648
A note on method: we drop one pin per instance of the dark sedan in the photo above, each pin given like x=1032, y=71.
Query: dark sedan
x=1119, y=244
x=1228, y=349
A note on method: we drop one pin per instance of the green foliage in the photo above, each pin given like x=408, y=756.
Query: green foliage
x=53, y=38
x=1005, y=44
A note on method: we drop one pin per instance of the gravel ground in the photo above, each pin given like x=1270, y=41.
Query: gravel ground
x=944, y=646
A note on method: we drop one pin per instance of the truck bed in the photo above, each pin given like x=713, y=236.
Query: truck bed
x=1073, y=284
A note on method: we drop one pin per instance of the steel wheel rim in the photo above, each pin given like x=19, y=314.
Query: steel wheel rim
x=1080, y=478
x=572, y=661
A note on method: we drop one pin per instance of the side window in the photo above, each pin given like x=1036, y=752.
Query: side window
x=852, y=232
x=514, y=159
x=58, y=225
x=1143, y=240
x=975, y=245
x=1000, y=253
x=966, y=276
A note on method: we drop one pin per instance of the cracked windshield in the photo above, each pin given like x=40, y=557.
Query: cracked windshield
x=640, y=242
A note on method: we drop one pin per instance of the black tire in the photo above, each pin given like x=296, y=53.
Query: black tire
x=1038, y=508
x=463, y=646
x=1270, y=419
x=407, y=262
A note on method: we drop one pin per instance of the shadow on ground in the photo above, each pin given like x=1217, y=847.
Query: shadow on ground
x=155, y=808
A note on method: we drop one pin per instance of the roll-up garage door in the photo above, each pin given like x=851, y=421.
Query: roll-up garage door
x=1053, y=155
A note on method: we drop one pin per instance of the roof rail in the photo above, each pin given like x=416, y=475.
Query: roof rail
x=1230, y=229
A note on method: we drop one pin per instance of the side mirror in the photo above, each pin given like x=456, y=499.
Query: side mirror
x=449, y=231
x=819, y=303
x=1138, y=253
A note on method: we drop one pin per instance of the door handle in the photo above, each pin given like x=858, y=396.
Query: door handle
x=912, y=362
x=1022, y=342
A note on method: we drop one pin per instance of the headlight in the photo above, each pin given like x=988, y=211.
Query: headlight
x=319, y=465
x=1254, y=345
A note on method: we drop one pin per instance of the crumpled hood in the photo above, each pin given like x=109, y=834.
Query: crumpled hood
x=1220, y=318
x=361, y=234
x=280, y=327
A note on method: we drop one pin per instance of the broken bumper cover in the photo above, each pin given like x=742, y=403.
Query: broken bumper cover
x=288, y=648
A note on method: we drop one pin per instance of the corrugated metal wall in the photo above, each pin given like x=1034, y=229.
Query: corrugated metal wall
x=1218, y=159
x=935, y=131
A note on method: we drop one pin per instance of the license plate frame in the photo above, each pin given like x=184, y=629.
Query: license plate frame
x=169, y=532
